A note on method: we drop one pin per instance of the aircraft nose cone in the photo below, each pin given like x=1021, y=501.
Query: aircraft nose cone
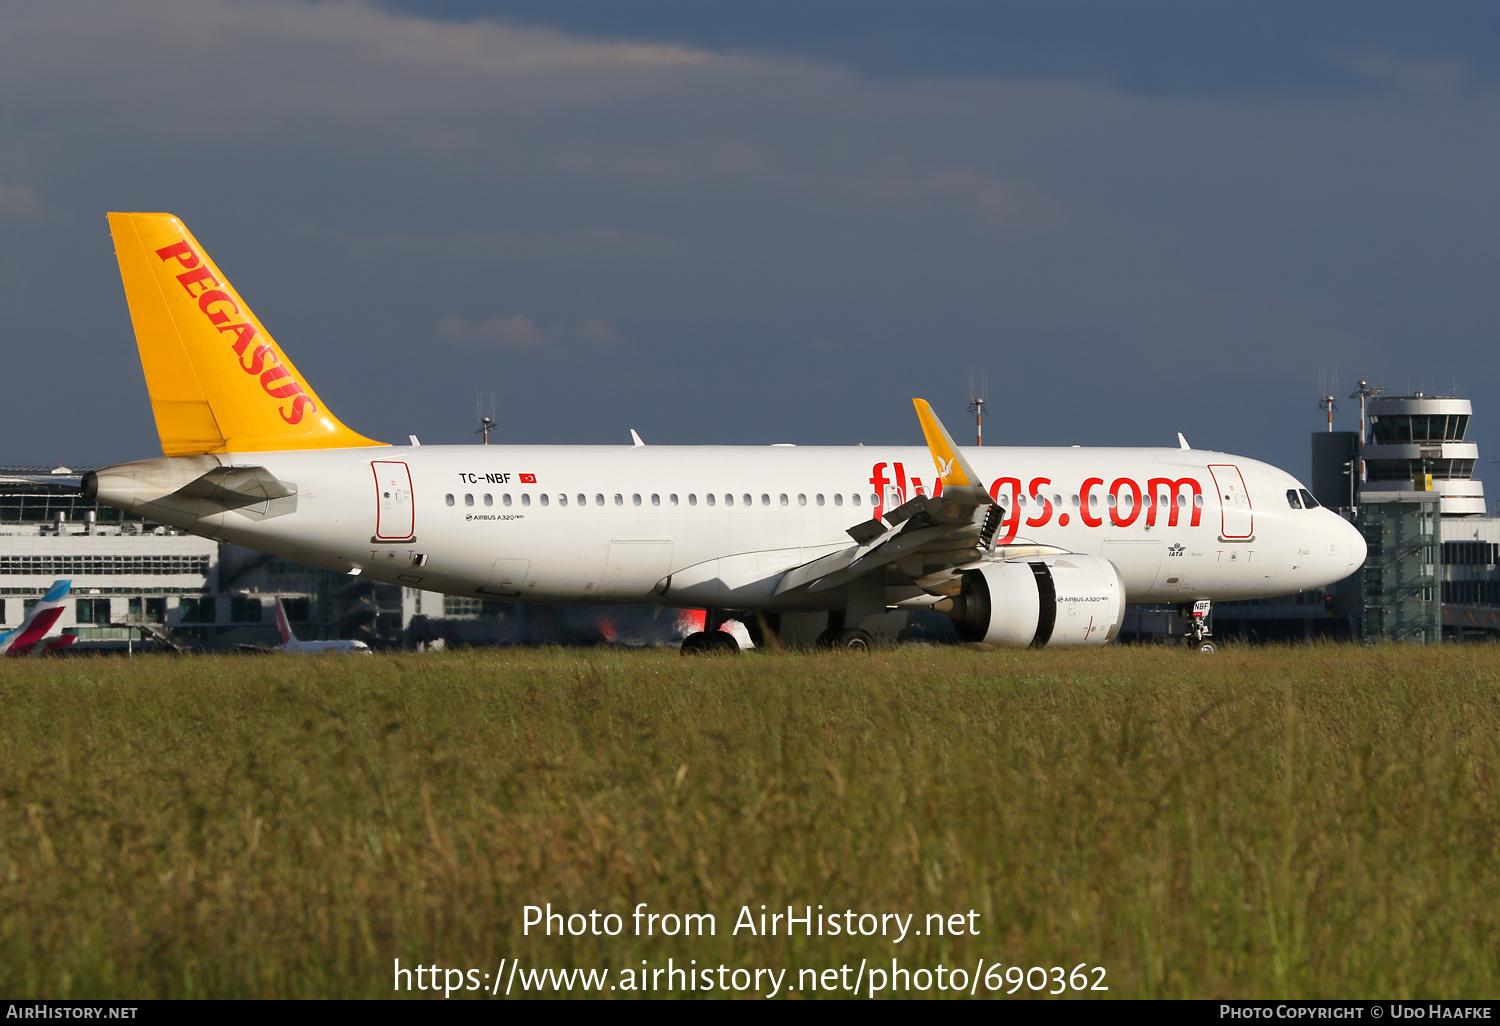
x=1357, y=548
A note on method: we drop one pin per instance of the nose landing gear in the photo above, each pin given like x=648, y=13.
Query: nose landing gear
x=1199, y=618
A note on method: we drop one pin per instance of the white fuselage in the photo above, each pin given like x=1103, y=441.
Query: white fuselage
x=718, y=525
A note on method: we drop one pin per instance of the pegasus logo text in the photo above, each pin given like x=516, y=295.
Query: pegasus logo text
x=220, y=309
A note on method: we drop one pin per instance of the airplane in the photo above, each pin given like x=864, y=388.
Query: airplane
x=31, y=637
x=1039, y=546
x=291, y=646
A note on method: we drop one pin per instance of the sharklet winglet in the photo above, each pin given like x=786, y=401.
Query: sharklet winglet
x=952, y=468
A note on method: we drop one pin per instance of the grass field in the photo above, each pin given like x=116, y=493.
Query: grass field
x=1314, y=821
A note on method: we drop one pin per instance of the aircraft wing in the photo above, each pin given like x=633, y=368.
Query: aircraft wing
x=937, y=533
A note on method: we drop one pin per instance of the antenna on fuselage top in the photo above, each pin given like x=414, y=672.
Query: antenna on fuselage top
x=486, y=424
x=977, y=403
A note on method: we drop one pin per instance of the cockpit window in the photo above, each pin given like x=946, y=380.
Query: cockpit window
x=1308, y=500
x=1292, y=500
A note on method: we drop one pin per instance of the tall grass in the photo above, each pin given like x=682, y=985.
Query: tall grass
x=1317, y=821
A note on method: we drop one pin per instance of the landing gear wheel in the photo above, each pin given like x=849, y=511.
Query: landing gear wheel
x=855, y=641
x=827, y=641
x=1206, y=647
x=722, y=643
x=698, y=643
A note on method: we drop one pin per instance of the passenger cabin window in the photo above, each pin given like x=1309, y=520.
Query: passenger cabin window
x=562, y=500
x=505, y=499
x=1198, y=501
x=1292, y=500
x=748, y=500
x=802, y=500
x=820, y=499
x=672, y=498
x=854, y=498
x=468, y=500
x=526, y=498
x=489, y=500
x=874, y=500
x=765, y=500
x=784, y=500
x=655, y=499
x=598, y=499
x=692, y=499
x=1308, y=500
x=729, y=500
x=583, y=500
x=619, y=499
x=448, y=498
x=710, y=499
x=543, y=498
x=635, y=500
x=838, y=498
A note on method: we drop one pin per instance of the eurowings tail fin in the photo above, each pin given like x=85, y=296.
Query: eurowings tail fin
x=218, y=381
x=283, y=626
x=952, y=468
x=38, y=622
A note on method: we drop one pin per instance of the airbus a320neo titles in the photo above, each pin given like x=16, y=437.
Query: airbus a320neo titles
x=1020, y=546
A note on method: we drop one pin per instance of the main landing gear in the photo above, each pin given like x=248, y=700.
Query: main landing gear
x=838, y=638
x=1200, y=625
x=711, y=640
x=845, y=641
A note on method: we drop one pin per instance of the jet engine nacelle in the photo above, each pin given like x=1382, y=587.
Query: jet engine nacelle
x=1041, y=601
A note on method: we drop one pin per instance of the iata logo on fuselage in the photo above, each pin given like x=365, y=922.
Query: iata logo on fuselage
x=221, y=310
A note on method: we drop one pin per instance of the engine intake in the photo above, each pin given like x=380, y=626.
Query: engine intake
x=1046, y=601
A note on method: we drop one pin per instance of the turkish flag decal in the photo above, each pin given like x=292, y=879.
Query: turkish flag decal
x=528, y=479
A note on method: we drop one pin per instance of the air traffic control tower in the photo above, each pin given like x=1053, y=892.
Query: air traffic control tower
x=1417, y=445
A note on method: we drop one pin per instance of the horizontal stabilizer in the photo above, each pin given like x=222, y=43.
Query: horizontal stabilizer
x=236, y=487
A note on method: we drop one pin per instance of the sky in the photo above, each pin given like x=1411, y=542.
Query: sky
x=769, y=222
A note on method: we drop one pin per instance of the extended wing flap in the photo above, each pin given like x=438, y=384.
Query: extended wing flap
x=949, y=528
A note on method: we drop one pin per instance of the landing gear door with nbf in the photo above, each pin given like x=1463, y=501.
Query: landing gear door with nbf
x=1234, y=501
x=393, y=509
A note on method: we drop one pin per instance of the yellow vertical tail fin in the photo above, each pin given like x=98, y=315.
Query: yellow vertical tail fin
x=218, y=381
x=952, y=468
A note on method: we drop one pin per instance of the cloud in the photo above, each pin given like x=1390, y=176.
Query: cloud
x=521, y=334
x=775, y=226
x=18, y=201
x=1424, y=77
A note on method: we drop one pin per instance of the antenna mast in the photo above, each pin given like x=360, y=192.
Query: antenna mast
x=1327, y=403
x=977, y=404
x=1363, y=392
x=486, y=424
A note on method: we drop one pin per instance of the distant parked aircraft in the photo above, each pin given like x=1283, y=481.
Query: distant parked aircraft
x=292, y=646
x=31, y=637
